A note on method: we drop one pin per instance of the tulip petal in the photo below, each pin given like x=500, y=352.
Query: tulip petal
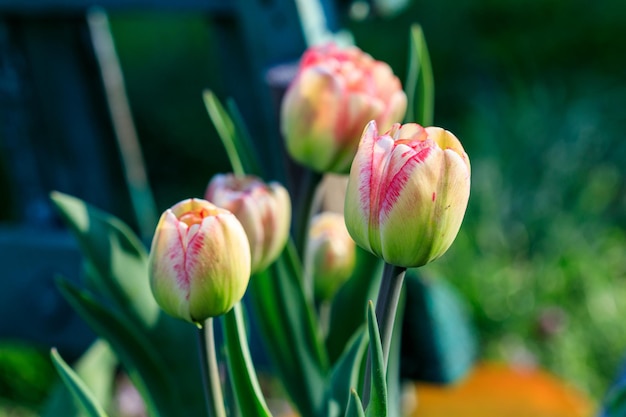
x=169, y=280
x=310, y=114
x=219, y=278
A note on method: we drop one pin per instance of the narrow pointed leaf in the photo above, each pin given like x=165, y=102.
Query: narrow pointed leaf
x=351, y=297
x=234, y=136
x=289, y=332
x=244, y=144
x=377, y=406
x=97, y=369
x=419, y=84
x=345, y=372
x=250, y=400
x=355, y=408
x=138, y=356
x=77, y=387
x=117, y=256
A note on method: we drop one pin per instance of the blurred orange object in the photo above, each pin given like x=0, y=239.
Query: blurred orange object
x=498, y=390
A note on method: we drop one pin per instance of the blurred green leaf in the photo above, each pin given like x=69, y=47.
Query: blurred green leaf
x=355, y=408
x=377, y=406
x=138, y=355
x=351, y=297
x=96, y=368
x=117, y=267
x=250, y=400
x=77, y=387
x=235, y=137
x=438, y=343
x=346, y=371
x=289, y=332
x=119, y=260
x=419, y=83
x=615, y=402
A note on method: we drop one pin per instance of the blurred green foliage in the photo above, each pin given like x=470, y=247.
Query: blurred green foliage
x=27, y=377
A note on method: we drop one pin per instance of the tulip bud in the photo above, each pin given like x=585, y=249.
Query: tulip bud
x=407, y=193
x=264, y=211
x=199, y=261
x=334, y=94
x=330, y=253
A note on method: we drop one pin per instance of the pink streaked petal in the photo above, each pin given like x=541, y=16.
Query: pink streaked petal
x=169, y=262
x=218, y=276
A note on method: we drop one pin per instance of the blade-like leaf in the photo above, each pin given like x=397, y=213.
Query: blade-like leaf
x=419, y=84
x=77, y=387
x=96, y=368
x=351, y=297
x=234, y=136
x=345, y=372
x=118, y=258
x=377, y=406
x=355, y=408
x=138, y=356
x=241, y=370
x=289, y=333
x=244, y=145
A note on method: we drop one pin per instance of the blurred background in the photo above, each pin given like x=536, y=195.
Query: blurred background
x=535, y=90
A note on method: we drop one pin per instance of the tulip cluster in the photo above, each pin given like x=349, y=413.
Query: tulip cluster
x=204, y=252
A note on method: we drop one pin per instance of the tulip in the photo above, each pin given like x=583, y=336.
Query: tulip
x=330, y=253
x=407, y=193
x=199, y=261
x=263, y=209
x=333, y=95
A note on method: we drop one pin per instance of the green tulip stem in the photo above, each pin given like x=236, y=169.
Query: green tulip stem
x=210, y=372
x=386, y=308
x=305, y=207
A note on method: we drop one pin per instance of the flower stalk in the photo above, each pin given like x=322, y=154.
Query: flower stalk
x=386, y=308
x=210, y=371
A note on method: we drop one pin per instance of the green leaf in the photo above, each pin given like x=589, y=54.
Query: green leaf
x=250, y=400
x=117, y=257
x=289, y=333
x=77, y=387
x=117, y=267
x=96, y=368
x=377, y=406
x=346, y=371
x=355, y=408
x=139, y=357
x=615, y=403
x=419, y=84
x=234, y=136
x=244, y=145
x=438, y=343
x=351, y=297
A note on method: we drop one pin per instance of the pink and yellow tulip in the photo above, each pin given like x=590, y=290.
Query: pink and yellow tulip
x=407, y=193
x=264, y=211
x=199, y=261
x=334, y=94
